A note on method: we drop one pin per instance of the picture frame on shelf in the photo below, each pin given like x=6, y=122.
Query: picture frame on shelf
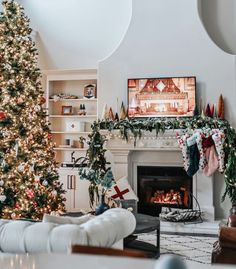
x=66, y=110
x=90, y=91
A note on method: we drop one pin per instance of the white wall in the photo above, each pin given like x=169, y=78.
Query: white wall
x=167, y=38
x=76, y=34
x=219, y=18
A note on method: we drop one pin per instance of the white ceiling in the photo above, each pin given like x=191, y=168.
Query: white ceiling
x=77, y=33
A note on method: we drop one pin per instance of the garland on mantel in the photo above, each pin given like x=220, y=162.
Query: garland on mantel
x=136, y=128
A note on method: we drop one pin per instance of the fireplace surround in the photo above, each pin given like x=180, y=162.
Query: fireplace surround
x=161, y=151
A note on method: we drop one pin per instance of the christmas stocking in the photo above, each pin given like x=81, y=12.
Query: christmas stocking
x=202, y=161
x=193, y=160
x=193, y=156
x=182, y=140
x=210, y=155
x=219, y=138
x=212, y=161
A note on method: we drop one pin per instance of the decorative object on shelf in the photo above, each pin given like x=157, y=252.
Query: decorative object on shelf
x=116, y=115
x=82, y=110
x=66, y=110
x=221, y=108
x=208, y=111
x=105, y=113
x=79, y=143
x=122, y=112
x=201, y=106
x=203, y=114
x=196, y=111
x=74, y=126
x=226, y=148
x=62, y=96
x=111, y=115
x=90, y=91
x=26, y=149
x=213, y=111
x=67, y=142
x=97, y=170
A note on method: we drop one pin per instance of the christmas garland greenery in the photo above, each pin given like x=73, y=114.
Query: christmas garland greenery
x=137, y=127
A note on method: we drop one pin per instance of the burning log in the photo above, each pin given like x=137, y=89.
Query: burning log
x=170, y=197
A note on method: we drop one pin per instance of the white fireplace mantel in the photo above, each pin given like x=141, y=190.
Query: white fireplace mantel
x=162, y=150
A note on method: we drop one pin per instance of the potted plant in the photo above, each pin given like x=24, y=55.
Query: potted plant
x=80, y=142
x=95, y=168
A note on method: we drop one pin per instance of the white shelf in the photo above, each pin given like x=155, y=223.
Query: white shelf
x=70, y=149
x=72, y=116
x=76, y=133
x=74, y=100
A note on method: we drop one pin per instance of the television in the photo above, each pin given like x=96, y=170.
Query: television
x=161, y=97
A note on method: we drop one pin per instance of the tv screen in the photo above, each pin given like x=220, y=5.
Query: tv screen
x=161, y=97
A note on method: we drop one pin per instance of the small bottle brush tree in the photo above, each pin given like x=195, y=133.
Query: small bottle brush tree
x=29, y=185
x=94, y=168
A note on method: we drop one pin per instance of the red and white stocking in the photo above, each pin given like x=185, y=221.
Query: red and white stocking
x=219, y=138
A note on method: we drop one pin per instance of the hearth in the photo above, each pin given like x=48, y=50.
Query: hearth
x=163, y=186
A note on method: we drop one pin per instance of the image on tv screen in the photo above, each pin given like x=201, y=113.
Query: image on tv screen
x=162, y=97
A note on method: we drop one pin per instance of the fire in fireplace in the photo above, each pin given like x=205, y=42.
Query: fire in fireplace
x=171, y=197
x=163, y=186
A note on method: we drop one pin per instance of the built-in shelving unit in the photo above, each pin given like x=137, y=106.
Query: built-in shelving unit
x=65, y=92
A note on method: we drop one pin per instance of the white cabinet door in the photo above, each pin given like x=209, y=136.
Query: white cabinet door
x=77, y=196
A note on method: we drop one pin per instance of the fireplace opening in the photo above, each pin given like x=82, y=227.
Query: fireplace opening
x=163, y=186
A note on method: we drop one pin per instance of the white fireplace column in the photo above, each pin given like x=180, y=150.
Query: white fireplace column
x=120, y=162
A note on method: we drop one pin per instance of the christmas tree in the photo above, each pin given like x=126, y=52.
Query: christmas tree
x=29, y=185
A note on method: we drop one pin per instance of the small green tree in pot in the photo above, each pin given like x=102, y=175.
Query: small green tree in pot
x=94, y=166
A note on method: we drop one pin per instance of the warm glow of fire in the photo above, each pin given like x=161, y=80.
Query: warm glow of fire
x=170, y=197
